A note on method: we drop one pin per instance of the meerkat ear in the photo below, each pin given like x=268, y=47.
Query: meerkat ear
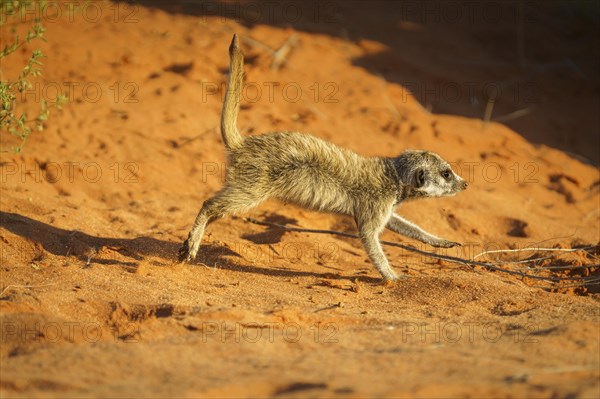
x=419, y=178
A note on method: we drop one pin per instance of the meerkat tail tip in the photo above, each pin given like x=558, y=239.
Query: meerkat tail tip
x=235, y=44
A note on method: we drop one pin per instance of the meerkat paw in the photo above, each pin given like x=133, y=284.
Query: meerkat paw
x=389, y=283
x=390, y=276
x=393, y=281
x=446, y=244
x=185, y=252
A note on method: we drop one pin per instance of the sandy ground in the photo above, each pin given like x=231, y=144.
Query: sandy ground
x=94, y=210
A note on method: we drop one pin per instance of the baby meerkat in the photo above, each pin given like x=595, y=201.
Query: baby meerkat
x=309, y=172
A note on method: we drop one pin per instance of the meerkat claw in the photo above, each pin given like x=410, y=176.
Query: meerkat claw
x=447, y=244
x=184, y=252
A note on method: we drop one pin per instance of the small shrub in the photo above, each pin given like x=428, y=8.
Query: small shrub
x=13, y=121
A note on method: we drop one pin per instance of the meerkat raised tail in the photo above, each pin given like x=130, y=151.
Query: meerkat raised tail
x=312, y=173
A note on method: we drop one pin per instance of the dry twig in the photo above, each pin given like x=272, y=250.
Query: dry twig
x=23, y=286
x=452, y=259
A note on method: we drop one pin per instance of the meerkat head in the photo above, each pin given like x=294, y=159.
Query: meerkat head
x=429, y=174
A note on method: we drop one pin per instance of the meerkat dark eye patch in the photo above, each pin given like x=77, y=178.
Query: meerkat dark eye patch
x=419, y=178
x=446, y=174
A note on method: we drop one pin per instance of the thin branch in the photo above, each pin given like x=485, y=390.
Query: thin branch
x=257, y=43
x=595, y=281
x=531, y=249
x=520, y=262
x=489, y=109
x=513, y=115
x=189, y=140
x=559, y=267
x=23, y=286
x=280, y=55
x=387, y=98
x=453, y=259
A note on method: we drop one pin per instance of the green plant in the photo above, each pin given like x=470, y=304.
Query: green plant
x=12, y=120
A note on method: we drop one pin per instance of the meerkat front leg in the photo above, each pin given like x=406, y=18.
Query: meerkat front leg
x=406, y=228
x=369, y=228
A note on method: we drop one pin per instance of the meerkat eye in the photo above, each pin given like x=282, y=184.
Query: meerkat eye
x=446, y=174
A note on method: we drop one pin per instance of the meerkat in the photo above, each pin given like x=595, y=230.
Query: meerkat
x=309, y=172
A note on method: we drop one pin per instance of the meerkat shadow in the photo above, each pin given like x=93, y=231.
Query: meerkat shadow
x=273, y=234
x=220, y=257
x=74, y=243
x=128, y=253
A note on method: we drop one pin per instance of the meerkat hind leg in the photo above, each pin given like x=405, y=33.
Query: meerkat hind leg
x=226, y=202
